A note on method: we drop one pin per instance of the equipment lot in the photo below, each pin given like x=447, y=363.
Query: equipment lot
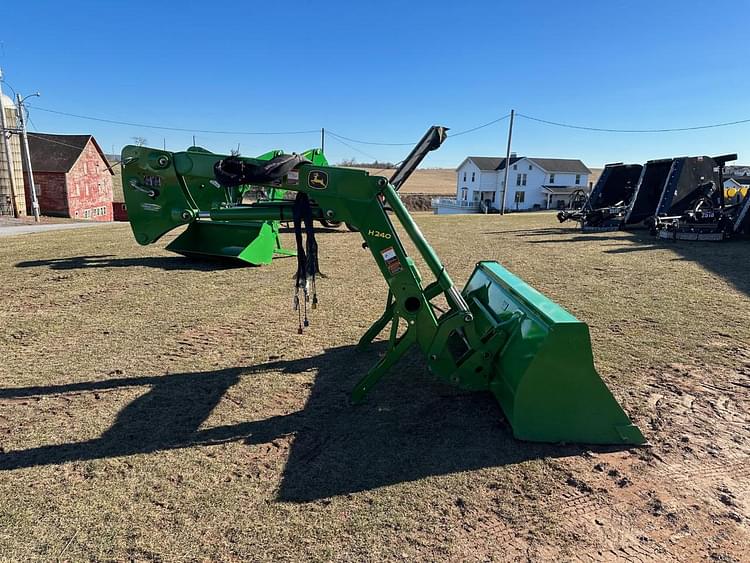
x=157, y=408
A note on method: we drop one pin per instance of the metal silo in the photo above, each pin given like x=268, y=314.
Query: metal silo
x=14, y=144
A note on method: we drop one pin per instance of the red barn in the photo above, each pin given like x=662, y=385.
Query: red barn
x=72, y=176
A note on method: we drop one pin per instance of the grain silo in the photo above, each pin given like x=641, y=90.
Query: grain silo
x=14, y=143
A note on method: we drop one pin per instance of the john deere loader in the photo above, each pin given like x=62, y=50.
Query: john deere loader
x=497, y=334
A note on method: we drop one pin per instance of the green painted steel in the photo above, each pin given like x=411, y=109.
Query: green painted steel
x=545, y=378
x=498, y=334
x=253, y=242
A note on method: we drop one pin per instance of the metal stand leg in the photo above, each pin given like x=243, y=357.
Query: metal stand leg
x=396, y=348
x=280, y=250
x=378, y=325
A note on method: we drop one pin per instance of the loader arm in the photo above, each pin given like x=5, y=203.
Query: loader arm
x=499, y=334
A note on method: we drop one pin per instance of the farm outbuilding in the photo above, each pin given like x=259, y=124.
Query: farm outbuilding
x=11, y=188
x=72, y=176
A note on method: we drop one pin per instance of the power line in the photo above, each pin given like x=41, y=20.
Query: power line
x=464, y=132
x=369, y=142
x=607, y=130
x=335, y=138
x=165, y=128
x=498, y=120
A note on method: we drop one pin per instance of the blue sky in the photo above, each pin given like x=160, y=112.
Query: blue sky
x=386, y=71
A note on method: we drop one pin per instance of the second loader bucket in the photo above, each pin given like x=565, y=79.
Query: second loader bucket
x=544, y=376
x=250, y=242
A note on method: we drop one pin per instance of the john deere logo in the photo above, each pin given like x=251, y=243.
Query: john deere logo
x=317, y=180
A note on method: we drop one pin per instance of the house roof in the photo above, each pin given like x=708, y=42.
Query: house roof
x=563, y=165
x=58, y=153
x=489, y=163
x=744, y=180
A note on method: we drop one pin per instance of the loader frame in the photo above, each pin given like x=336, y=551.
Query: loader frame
x=499, y=334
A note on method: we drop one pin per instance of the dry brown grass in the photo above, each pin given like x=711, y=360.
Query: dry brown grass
x=157, y=408
x=439, y=181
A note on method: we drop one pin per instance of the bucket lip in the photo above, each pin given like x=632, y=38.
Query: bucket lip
x=525, y=294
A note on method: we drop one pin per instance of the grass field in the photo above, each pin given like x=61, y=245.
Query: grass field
x=154, y=408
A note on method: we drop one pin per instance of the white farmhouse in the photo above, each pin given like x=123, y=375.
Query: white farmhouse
x=533, y=183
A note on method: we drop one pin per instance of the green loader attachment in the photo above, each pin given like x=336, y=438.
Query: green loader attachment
x=252, y=242
x=498, y=334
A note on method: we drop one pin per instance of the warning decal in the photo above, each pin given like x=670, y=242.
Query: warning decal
x=391, y=260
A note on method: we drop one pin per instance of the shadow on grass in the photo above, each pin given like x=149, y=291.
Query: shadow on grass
x=111, y=261
x=409, y=428
x=532, y=232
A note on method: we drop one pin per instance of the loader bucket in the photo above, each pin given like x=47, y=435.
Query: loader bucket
x=250, y=242
x=544, y=376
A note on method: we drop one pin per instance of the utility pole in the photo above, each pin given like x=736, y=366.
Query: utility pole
x=323, y=140
x=5, y=132
x=27, y=156
x=507, y=161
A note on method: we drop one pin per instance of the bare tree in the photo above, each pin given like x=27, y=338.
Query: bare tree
x=139, y=141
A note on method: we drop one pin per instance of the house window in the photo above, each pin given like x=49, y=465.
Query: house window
x=472, y=176
x=493, y=197
x=523, y=180
x=464, y=176
x=518, y=179
x=529, y=166
x=551, y=178
x=520, y=197
x=578, y=179
x=515, y=167
x=464, y=194
x=87, y=213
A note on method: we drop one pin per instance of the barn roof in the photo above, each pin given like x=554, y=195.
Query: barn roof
x=58, y=153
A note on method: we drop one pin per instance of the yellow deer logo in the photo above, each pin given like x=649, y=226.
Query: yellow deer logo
x=318, y=180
